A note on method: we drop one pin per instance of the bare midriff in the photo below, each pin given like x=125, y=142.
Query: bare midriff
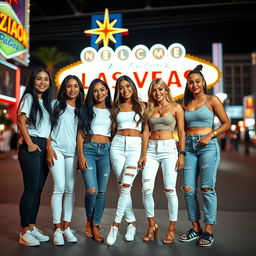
x=98, y=138
x=198, y=130
x=161, y=135
x=129, y=132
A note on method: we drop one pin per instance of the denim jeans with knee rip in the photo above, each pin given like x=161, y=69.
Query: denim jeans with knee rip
x=124, y=156
x=96, y=177
x=201, y=162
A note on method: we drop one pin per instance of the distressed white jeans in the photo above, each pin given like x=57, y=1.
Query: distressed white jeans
x=163, y=153
x=124, y=157
x=64, y=173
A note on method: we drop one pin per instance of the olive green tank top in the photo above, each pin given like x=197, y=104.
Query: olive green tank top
x=164, y=123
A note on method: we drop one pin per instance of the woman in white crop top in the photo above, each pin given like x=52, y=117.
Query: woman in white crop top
x=162, y=116
x=93, y=144
x=62, y=156
x=127, y=120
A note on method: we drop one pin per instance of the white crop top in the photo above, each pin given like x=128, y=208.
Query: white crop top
x=101, y=123
x=125, y=120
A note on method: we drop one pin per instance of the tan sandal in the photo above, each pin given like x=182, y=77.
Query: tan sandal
x=88, y=229
x=169, y=237
x=151, y=233
x=96, y=234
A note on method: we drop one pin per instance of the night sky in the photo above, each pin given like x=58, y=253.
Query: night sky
x=195, y=24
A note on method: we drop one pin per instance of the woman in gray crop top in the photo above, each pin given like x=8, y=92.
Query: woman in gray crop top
x=202, y=155
x=162, y=117
x=127, y=119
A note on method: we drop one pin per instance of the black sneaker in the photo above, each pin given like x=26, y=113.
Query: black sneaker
x=190, y=235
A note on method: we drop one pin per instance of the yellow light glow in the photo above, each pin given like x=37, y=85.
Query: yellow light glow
x=106, y=30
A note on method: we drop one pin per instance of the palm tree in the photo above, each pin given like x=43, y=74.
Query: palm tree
x=51, y=57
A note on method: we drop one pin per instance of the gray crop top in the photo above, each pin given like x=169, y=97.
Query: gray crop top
x=164, y=123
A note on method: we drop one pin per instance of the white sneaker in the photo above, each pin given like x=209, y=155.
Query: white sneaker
x=38, y=234
x=130, y=233
x=69, y=235
x=112, y=235
x=28, y=240
x=58, y=237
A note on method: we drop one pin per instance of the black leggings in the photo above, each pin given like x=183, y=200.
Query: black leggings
x=35, y=170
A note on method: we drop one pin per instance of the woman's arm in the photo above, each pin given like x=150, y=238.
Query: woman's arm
x=50, y=153
x=220, y=112
x=82, y=162
x=21, y=123
x=144, y=147
x=181, y=133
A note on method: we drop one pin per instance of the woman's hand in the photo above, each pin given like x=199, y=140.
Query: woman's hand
x=204, y=140
x=141, y=163
x=33, y=147
x=82, y=163
x=180, y=162
x=50, y=156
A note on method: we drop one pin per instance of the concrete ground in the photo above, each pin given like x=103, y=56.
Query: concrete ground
x=234, y=233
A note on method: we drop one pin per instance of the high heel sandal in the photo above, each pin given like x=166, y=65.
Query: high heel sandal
x=88, y=229
x=97, y=236
x=169, y=238
x=152, y=232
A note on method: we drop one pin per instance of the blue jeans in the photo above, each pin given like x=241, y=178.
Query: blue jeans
x=203, y=161
x=96, y=176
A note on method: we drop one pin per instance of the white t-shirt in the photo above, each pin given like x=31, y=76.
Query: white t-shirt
x=43, y=128
x=64, y=134
x=101, y=123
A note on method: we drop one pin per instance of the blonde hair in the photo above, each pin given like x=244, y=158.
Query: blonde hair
x=151, y=102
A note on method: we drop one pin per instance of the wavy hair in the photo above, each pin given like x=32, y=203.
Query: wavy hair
x=188, y=96
x=88, y=113
x=136, y=105
x=62, y=97
x=46, y=97
x=151, y=102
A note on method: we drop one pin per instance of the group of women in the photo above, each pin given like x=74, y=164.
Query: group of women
x=126, y=135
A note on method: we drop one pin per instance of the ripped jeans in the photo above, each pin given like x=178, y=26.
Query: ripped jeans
x=164, y=153
x=96, y=177
x=124, y=157
x=203, y=162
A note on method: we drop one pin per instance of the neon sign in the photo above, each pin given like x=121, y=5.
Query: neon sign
x=13, y=35
x=142, y=64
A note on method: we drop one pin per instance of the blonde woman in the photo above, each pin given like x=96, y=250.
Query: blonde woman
x=162, y=117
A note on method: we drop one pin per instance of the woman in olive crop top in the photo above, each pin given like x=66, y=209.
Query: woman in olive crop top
x=202, y=155
x=162, y=116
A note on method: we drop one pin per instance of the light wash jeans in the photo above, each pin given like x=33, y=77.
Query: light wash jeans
x=96, y=176
x=164, y=153
x=203, y=162
x=64, y=173
x=124, y=153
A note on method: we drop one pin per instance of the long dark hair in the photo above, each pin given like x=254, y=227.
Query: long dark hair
x=136, y=105
x=88, y=113
x=46, y=97
x=188, y=96
x=61, y=103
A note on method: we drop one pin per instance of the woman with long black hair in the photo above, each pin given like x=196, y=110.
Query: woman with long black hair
x=202, y=155
x=93, y=144
x=34, y=124
x=62, y=155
